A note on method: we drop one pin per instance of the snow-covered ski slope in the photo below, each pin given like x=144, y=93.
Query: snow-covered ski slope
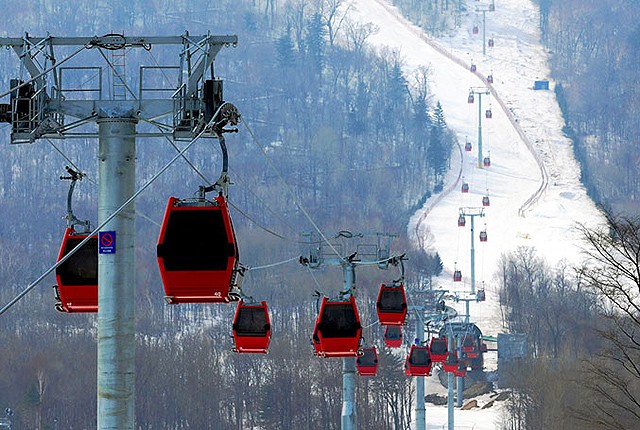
x=536, y=198
x=533, y=181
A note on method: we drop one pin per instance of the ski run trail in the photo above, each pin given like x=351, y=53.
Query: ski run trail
x=533, y=181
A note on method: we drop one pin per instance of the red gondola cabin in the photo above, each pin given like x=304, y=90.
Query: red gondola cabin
x=461, y=370
x=467, y=146
x=470, y=99
x=450, y=364
x=462, y=221
x=483, y=236
x=457, y=276
x=337, y=331
x=465, y=187
x=418, y=362
x=77, y=277
x=197, y=251
x=490, y=79
x=488, y=114
x=486, y=162
x=393, y=336
x=438, y=349
x=481, y=296
x=392, y=304
x=469, y=346
x=367, y=363
x=251, y=328
x=485, y=201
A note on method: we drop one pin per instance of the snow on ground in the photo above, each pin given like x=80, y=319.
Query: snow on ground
x=533, y=181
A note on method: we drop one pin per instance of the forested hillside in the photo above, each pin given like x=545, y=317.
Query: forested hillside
x=353, y=141
x=594, y=46
x=580, y=322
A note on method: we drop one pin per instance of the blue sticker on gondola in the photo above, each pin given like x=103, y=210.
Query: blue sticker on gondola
x=107, y=242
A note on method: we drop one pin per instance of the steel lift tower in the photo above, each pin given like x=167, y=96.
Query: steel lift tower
x=348, y=250
x=479, y=91
x=179, y=102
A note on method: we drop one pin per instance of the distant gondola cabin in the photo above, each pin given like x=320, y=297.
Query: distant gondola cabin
x=450, y=364
x=469, y=346
x=462, y=221
x=457, y=276
x=438, y=349
x=392, y=304
x=486, y=162
x=418, y=362
x=481, y=295
x=251, y=328
x=461, y=369
x=393, y=336
x=467, y=146
x=367, y=363
x=465, y=187
x=337, y=332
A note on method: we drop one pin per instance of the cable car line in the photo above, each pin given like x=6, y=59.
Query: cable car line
x=75, y=166
x=279, y=236
x=267, y=266
x=293, y=195
x=314, y=280
x=105, y=222
x=184, y=157
x=68, y=160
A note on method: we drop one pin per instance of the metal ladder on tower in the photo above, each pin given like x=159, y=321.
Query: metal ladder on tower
x=119, y=74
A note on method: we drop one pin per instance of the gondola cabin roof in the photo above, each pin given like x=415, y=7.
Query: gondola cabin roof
x=197, y=251
x=251, y=327
x=77, y=277
x=393, y=336
x=337, y=331
x=367, y=363
x=392, y=304
x=438, y=349
x=418, y=362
